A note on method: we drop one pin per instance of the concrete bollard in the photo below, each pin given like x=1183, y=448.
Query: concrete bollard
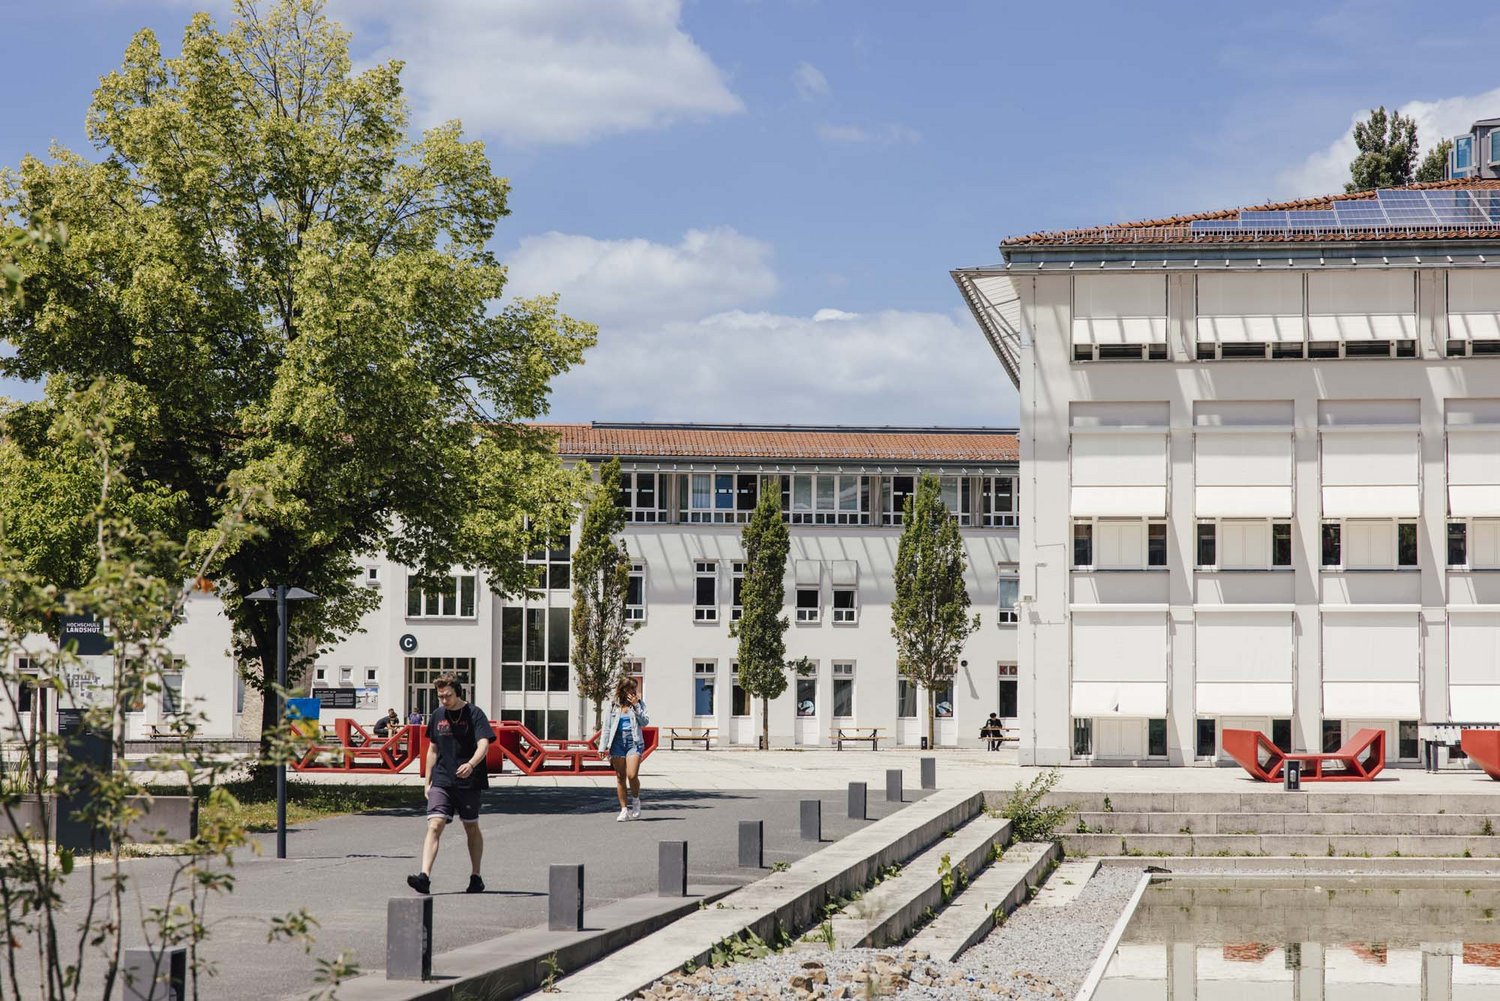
x=857, y=806
x=565, y=897
x=151, y=975
x=752, y=843
x=812, y=820
x=671, y=869
x=408, y=938
x=929, y=773
x=893, y=785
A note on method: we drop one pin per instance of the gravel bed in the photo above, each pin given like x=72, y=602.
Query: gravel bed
x=1040, y=954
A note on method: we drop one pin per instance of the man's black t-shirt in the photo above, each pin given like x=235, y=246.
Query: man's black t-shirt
x=455, y=737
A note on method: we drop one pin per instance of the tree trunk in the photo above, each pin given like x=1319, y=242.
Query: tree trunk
x=765, y=724
x=598, y=715
x=931, y=716
x=264, y=634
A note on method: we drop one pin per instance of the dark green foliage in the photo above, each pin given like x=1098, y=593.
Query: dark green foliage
x=1435, y=164
x=1030, y=819
x=761, y=629
x=1387, y=151
x=601, y=583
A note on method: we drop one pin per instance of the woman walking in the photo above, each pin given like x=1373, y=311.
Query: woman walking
x=623, y=738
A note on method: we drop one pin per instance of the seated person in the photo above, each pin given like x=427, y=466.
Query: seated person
x=993, y=729
x=387, y=724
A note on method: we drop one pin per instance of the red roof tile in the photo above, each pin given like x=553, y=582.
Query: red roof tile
x=1176, y=229
x=640, y=441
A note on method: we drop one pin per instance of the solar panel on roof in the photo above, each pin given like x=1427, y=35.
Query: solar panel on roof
x=1397, y=209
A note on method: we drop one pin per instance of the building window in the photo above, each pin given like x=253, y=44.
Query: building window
x=371, y=676
x=453, y=598
x=1119, y=352
x=1156, y=738
x=1333, y=735
x=844, y=608
x=1206, y=738
x=1406, y=739
x=551, y=569
x=1009, y=611
x=1406, y=543
x=826, y=499
x=703, y=687
x=643, y=496
x=1281, y=544
x=346, y=675
x=736, y=588
x=900, y=488
x=1458, y=544
x=906, y=699
x=1208, y=542
x=807, y=696
x=943, y=704
x=421, y=672
x=955, y=494
x=635, y=593
x=1083, y=737
x=843, y=689
x=534, y=649
x=717, y=498
x=1083, y=544
x=739, y=699
x=372, y=576
x=1156, y=544
x=1009, y=696
x=705, y=591
x=808, y=606
x=1463, y=154
x=320, y=674
x=1001, y=500
x=171, y=688
x=1332, y=555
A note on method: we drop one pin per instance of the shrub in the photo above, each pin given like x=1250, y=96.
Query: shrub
x=1030, y=820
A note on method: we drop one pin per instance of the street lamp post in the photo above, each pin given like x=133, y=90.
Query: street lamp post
x=281, y=594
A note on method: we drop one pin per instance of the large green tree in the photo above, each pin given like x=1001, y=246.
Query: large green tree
x=1435, y=164
x=761, y=629
x=1387, y=151
x=601, y=584
x=930, y=614
x=291, y=299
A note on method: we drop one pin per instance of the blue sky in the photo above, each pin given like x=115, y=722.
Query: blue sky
x=759, y=200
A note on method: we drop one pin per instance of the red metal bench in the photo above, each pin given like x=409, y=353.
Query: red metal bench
x=355, y=749
x=1360, y=759
x=1483, y=748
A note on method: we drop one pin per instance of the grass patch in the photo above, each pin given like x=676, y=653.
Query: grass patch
x=254, y=803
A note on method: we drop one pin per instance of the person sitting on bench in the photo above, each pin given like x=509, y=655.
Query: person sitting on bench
x=993, y=730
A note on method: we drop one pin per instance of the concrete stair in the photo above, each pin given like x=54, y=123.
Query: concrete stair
x=1271, y=822
x=989, y=898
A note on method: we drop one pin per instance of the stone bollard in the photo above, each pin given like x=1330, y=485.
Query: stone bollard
x=857, y=798
x=929, y=773
x=565, y=897
x=408, y=938
x=671, y=869
x=812, y=820
x=893, y=785
x=752, y=843
x=151, y=975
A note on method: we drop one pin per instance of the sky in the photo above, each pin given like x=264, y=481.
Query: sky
x=759, y=201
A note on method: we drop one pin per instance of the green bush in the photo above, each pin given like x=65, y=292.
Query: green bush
x=1030, y=820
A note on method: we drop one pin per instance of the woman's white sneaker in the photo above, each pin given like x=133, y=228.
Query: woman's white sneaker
x=635, y=807
x=624, y=813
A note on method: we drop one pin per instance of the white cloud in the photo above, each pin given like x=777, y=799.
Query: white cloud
x=1325, y=171
x=546, y=71
x=836, y=367
x=884, y=135
x=637, y=283
x=810, y=82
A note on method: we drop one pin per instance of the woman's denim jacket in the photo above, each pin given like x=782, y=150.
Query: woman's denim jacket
x=639, y=720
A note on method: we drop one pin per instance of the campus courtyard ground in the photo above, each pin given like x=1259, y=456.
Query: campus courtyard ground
x=344, y=869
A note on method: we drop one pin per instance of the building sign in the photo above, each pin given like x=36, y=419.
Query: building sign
x=1009, y=671
x=337, y=698
x=408, y=643
x=85, y=634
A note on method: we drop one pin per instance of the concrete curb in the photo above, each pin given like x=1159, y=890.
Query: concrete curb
x=791, y=899
x=1112, y=942
x=1004, y=886
x=1231, y=865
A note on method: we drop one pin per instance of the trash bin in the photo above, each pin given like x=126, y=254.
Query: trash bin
x=924, y=743
x=1291, y=776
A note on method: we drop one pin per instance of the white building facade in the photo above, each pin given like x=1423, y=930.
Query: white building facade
x=1261, y=473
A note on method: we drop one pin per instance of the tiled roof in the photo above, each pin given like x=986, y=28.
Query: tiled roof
x=797, y=444
x=1177, y=229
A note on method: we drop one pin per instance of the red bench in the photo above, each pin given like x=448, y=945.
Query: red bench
x=1360, y=759
x=355, y=749
x=1483, y=748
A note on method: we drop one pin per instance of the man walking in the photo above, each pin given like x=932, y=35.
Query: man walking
x=458, y=737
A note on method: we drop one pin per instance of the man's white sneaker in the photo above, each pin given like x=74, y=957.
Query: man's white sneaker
x=635, y=808
x=624, y=813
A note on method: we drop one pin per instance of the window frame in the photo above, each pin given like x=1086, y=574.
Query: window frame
x=736, y=584
x=1007, y=573
x=845, y=616
x=636, y=612
x=1334, y=533
x=842, y=673
x=705, y=678
x=808, y=614
x=458, y=579
x=705, y=570
x=990, y=514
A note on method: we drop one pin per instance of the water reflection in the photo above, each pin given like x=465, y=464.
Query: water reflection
x=1310, y=939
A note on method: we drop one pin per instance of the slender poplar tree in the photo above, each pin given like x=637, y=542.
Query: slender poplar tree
x=601, y=585
x=761, y=628
x=930, y=614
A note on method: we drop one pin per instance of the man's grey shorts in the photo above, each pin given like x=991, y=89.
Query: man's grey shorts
x=446, y=802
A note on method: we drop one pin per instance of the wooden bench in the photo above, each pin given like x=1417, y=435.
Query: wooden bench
x=690, y=734
x=159, y=731
x=998, y=735
x=856, y=734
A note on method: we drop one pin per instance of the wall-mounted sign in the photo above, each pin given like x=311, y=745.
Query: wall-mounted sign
x=86, y=635
x=337, y=698
x=408, y=643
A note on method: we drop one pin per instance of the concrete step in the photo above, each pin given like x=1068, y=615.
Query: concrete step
x=792, y=899
x=887, y=913
x=988, y=899
x=1471, y=796
x=1369, y=845
x=1200, y=822
x=1066, y=883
